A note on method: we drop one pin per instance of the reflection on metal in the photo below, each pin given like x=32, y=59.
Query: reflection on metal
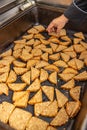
x=27, y=4
x=56, y=2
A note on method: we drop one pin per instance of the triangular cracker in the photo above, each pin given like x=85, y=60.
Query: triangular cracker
x=81, y=77
x=61, y=98
x=72, y=63
x=45, y=42
x=53, y=77
x=51, y=67
x=53, y=46
x=3, y=89
x=37, y=124
x=28, y=37
x=17, y=95
x=75, y=92
x=22, y=41
x=79, y=48
x=76, y=40
x=54, y=56
x=17, y=86
x=19, y=70
x=65, y=57
x=72, y=108
x=44, y=56
x=43, y=75
x=22, y=102
x=72, y=54
x=30, y=42
x=60, y=119
x=31, y=63
x=60, y=48
x=3, y=77
x=48, y=50
x=70, y=70
x=39, y=107
x=33, y=31
x=83, y=55
x=84, y=44
x=34, y=73
x=19, y=63
x=51, y=128
x=69, y=49
x=17, y=53
x=26, y=77
x=49, y=92
x=41, y=64
x=6, y=53
x=36, y=52
x=34, y=86
x=18, y=46
x=50, y=110
x=6, y=110
x=12, y=77
x=60, y=63
x=37, y=98
x=19, y=119
x=70, y=84
x=62, y=32
x=79, y=35
x=40, y=28
x=66, y=77
x=65, y=38
x=79, y=64
x=39, y=36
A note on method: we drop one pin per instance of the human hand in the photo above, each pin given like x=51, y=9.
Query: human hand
x=57, y=24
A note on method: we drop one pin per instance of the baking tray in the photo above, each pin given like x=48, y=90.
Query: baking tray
x=40, y=15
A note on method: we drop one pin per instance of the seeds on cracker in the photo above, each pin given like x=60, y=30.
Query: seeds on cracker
x=61, y=98
x=26, y=77
x=53, y=78
x=43, y=75
x=34, y=86
x=49, y=92
x=17, y=86
x=37, y=98
x=75, y=92
x=11, y=77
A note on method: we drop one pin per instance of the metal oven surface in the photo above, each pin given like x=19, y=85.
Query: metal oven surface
x=17, y=27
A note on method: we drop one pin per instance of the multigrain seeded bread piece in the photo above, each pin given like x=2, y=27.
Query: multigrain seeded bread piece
x=81, y=76
x=53, y=77
x=51, y=128
x=19, y=119
x=11, y=77
x=75, y=92
x=50, y=110
x=35, y=86
x=4, y=89
x=37, y=124
x=72, y=108
x=26, y=77
x=43, y=75
x=37, y=98
x=61, y=98
x=61, y=118
x=6, y=110
x=39, y=107
x=49, y=92
x=22, y=100
x=69, y=85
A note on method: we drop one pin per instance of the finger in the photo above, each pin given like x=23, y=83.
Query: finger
x=50, y=27
x=58, y=30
